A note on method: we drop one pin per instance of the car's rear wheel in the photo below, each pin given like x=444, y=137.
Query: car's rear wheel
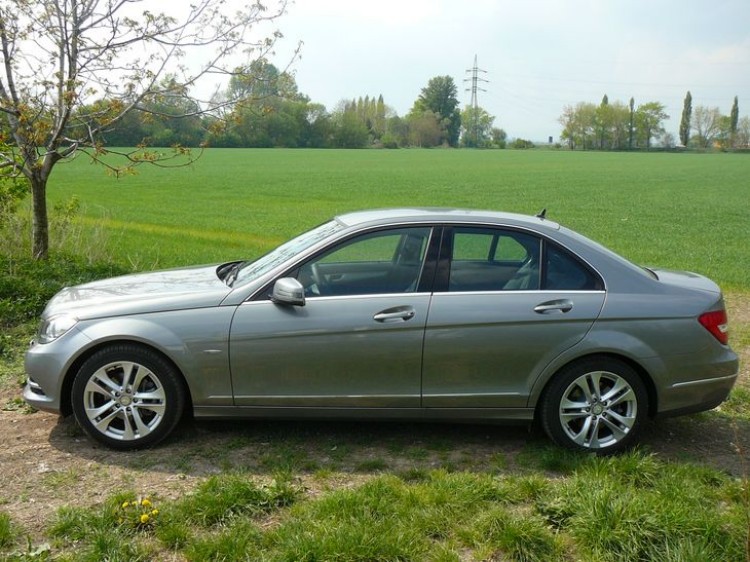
x=127, y=397
x=597, y=404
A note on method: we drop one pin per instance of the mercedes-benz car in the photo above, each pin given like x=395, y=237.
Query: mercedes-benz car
x=405, y=314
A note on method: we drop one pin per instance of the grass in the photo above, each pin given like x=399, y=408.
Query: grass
x=6, y=530
x=634, y=507
x=673, y=210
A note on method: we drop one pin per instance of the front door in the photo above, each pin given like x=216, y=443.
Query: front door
x=357, y=342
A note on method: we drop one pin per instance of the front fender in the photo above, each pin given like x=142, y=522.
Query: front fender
x=196, y=341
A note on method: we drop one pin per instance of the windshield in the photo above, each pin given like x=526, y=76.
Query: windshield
x=254, y=269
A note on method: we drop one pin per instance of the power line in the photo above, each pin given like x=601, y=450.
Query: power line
x=475, y=80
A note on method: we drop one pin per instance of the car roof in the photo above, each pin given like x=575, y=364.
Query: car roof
x=443, y=215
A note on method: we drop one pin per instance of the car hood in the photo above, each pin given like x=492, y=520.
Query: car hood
x=192, y=287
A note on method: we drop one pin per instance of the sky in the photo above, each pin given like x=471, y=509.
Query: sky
x=539, y=55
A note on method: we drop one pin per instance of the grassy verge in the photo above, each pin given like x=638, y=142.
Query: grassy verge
x=633, y=507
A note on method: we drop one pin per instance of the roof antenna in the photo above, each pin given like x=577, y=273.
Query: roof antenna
x=542, y=214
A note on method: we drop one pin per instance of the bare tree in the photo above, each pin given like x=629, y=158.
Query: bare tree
x=706, y=124
x=60, y=56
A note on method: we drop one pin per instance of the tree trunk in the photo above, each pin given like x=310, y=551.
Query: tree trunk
x=40, y=224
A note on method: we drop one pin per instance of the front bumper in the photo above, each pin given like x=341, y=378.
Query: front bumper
x=46, y=366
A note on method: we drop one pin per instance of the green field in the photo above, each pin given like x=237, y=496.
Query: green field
x=686, y=211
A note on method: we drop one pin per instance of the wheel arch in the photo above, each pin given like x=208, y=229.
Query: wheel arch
x=66, y=405
x=644, y=375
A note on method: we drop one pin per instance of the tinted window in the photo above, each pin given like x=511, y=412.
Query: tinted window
x=493, y=260
x=565, y=273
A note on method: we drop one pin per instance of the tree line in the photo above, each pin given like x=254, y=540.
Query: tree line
x=620, y=126
x=268, y=110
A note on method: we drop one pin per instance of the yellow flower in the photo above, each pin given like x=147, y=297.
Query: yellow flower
x=146, y=503
x=125, y=504
x=144, y=518
x=155, y=512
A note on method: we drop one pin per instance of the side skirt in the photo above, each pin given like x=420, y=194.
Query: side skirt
x=427, y=414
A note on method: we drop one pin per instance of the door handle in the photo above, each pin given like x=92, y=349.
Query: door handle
x=402, y=313
x=550, y=307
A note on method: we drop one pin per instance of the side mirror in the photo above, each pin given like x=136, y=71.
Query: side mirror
x=288, y=290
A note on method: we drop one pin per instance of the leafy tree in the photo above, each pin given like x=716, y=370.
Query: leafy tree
x=261, y=80
x=319, y=130
x=742, y=138
x=579, y=125
x=59, y=54
x=619, y=119
x=648, y=118
x=439, y=97
x=269, y=111
x=348, y=129
x=499, y=137
x=687, y=110
x=396, y=132
x=476, y=127
x=425, y=129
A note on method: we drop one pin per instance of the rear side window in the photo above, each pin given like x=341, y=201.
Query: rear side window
x=487, y=259
x=563, y=272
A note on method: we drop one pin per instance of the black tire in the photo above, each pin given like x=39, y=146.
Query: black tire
x=598, y=404
x=127, y=397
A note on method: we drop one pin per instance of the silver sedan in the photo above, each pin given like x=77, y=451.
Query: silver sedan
x=411, y=314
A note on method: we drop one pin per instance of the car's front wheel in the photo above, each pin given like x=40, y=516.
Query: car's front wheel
x=127, y=397
x=597, y=404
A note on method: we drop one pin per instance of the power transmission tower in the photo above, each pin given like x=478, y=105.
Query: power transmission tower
x=475, y=80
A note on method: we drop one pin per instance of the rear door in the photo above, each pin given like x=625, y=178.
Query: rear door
x=507, y=303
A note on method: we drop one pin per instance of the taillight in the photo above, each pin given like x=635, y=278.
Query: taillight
x=716, y=323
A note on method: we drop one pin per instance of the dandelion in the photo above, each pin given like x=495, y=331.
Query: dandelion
x=144, y=518
x=146, y=502
x=155, y=512
x=125, y=505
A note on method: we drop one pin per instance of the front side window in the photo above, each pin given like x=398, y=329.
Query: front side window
x=380, y=262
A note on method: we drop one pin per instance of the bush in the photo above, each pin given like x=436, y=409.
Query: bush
x=26, y=284
x=522, y=144
x=12, y=192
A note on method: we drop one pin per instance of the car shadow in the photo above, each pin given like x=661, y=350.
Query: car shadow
x=200, y=448
x=268, y=447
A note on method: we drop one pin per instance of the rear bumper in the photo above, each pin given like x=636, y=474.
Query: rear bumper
x=697, y=396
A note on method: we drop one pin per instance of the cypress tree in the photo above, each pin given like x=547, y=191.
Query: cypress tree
x=687, y=112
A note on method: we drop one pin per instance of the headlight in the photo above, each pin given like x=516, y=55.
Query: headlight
x=55, y=326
